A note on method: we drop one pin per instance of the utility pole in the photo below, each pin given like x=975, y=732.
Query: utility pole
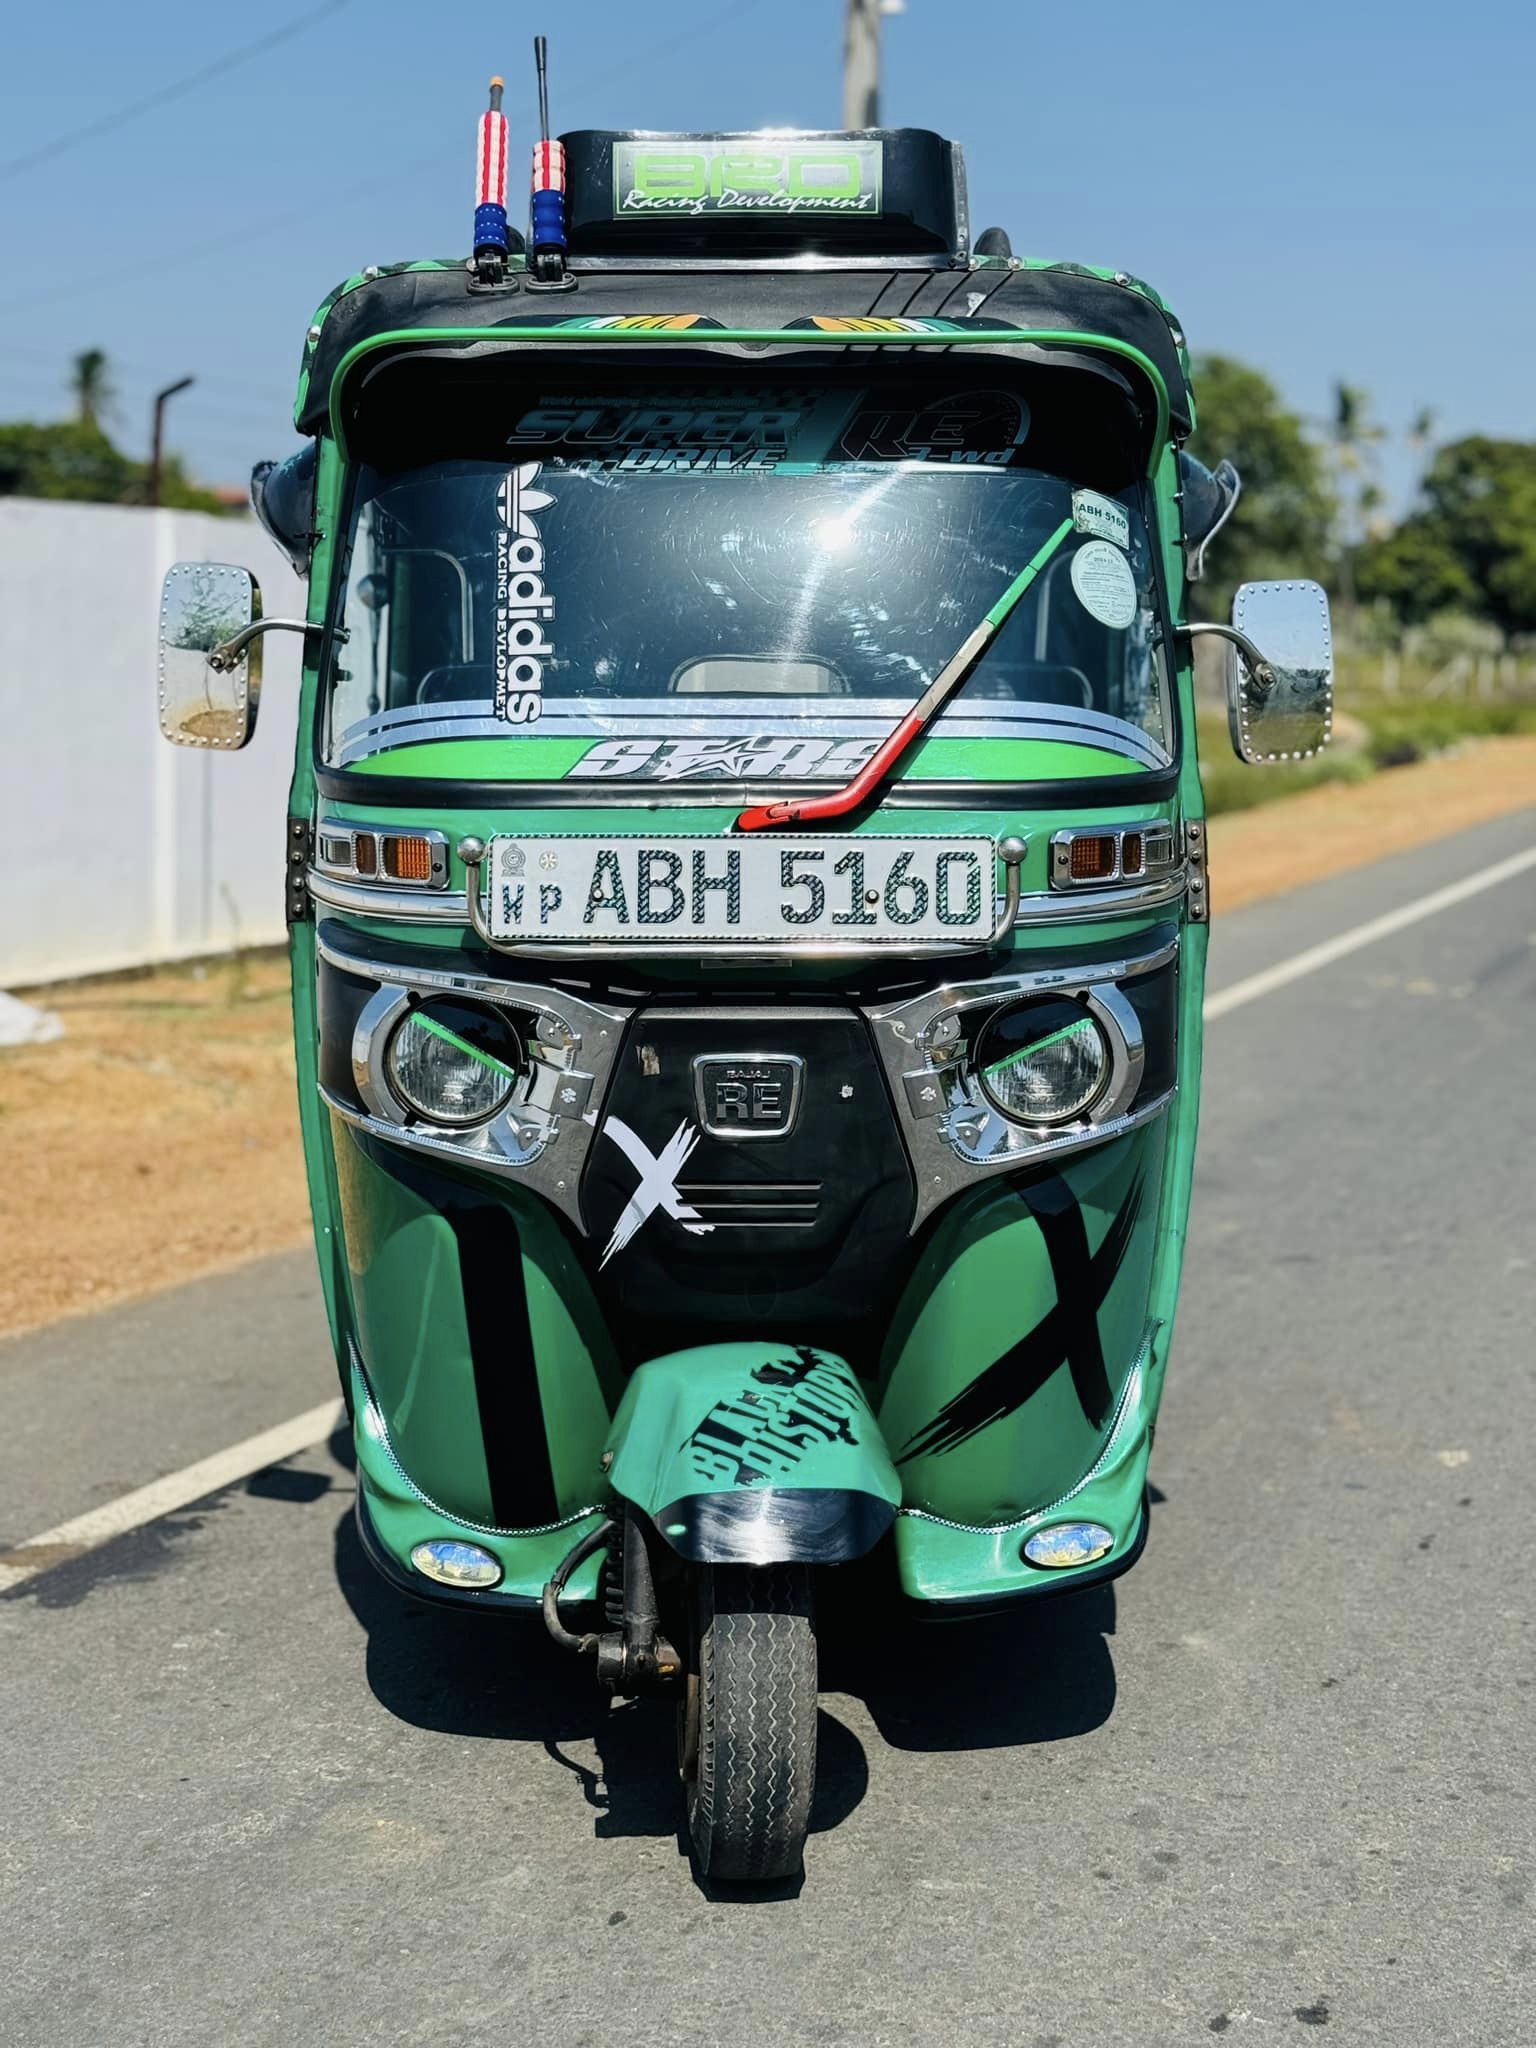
x=861, y=60
x=157, y=437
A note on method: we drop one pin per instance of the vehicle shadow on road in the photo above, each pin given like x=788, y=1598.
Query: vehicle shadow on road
x=501, y=1679
x=1041, y=1673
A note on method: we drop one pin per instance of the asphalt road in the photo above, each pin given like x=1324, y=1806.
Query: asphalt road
x=1279, y=1778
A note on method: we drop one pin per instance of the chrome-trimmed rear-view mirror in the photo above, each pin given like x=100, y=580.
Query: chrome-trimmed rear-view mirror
x=204, y=606
x=1280, y=705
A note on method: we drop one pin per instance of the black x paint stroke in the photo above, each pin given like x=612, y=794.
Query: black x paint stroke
x=1069, y=1331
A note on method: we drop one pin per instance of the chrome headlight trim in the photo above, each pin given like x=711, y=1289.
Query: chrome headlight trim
x=543, y=1134
x=398, y=903
x=952, y=1131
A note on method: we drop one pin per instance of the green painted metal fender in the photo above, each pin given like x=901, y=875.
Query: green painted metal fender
x=754, y=1454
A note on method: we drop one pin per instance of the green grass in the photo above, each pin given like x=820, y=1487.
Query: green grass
x=1401, y=728
x=1407, y=729
x=1231, y=785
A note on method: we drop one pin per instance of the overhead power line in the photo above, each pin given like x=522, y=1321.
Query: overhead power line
x=107, y=124
x=242, y=234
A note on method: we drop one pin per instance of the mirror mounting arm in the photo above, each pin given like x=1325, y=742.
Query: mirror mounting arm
x=1263, y=675
x=227, y=654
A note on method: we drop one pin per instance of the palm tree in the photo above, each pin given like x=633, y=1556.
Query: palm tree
x=1354, y=438
x=1421, y=435
x=91, y=385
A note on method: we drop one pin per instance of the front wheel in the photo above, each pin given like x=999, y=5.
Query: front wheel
x=748, y=1739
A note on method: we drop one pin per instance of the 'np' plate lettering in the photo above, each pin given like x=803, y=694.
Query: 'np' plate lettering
x=820, y=887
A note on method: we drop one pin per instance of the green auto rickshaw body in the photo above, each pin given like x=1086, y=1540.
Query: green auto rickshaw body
x=905, y=1318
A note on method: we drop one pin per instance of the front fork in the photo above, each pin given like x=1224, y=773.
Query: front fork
x=634, y=1657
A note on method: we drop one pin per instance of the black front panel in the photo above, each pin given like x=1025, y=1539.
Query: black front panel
x=763, y=1149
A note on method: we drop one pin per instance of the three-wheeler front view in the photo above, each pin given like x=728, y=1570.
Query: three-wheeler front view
x=747, y=878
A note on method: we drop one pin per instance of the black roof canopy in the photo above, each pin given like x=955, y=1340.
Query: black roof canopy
x=1054, y=297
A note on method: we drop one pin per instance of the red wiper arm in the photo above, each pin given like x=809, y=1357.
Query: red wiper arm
x=882, y=763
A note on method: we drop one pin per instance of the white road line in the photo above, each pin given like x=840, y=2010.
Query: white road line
x=164, y=1496
x=224, y=1468
x=1265, y=983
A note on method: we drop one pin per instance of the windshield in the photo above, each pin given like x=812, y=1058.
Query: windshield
x=720, y=588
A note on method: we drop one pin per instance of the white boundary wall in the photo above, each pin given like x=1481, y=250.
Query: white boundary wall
x=121, y=849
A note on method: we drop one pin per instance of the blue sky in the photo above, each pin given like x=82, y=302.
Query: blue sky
x=1328, y=189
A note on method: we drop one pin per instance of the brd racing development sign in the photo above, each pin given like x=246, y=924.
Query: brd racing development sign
x=738, y=175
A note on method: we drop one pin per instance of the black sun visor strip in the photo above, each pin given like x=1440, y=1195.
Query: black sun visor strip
x=1060, y=298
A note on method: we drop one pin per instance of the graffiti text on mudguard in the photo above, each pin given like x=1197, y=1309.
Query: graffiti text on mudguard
x=793, y=1405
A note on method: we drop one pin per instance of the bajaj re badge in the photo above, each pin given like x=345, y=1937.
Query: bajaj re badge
x=747, y=1095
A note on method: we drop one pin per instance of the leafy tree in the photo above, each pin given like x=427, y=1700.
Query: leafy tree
x=70, y=459
x=73, y=459
x=1471, y=544
x=1284, y=518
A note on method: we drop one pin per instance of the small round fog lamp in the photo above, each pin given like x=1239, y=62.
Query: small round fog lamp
x=453, y=1563
x=1068, y=1543
x=1043, y=1062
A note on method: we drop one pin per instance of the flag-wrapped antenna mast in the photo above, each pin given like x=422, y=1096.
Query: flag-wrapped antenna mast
x=547, y=239
x=491, y=244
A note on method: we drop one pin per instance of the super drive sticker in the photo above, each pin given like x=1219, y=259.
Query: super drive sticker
x=1101, y=517
x=1105, y=587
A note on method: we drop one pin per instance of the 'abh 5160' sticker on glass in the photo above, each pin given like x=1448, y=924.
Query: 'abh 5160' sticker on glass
x=1105, y=587
x=1101, y=517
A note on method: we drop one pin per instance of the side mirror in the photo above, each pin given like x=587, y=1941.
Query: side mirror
x=203, y=606
x=1279, y=671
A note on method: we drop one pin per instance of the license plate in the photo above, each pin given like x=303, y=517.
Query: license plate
x=821, y=886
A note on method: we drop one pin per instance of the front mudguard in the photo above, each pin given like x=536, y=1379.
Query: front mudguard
x=754, y=1454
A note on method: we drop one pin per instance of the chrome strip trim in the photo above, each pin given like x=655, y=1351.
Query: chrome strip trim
x=1026, y=982
x=1083, y=906
x=388, y=900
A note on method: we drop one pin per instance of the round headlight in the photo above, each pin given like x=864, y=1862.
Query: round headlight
x=1043, y=1063
x=454, y=1063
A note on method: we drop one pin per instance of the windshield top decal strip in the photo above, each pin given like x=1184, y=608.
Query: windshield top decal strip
x=625, y=744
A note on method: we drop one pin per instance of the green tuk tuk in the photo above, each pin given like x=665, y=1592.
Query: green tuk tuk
x=746, y=870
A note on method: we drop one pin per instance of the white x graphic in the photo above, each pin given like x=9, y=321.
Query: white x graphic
x=658, y=1182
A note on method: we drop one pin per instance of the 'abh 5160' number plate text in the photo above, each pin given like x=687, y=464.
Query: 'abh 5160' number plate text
x=814, y=886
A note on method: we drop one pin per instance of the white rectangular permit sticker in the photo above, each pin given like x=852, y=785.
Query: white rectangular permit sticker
x=784, y=887
x=1101, y=517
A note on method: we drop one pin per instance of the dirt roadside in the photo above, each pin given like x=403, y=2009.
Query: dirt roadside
x=157, y=1141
